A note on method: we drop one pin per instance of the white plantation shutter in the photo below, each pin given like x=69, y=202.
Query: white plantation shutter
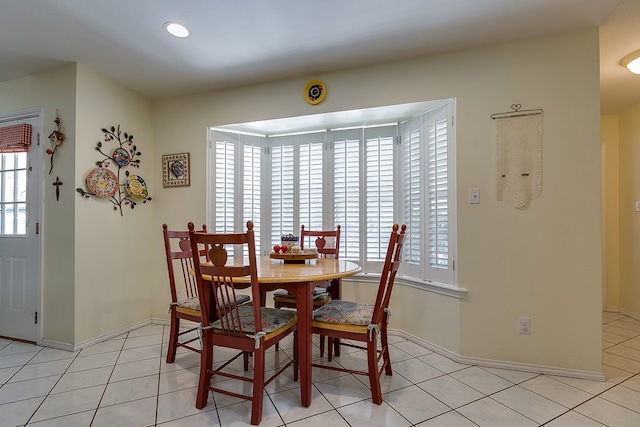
x=282, y=191
x=379, y=194
x=224, y=186
x=428, y=190
x=310, y=193
x=346, y=190
x=438, y=195
x=413, y=194
x=252, y=190
x=236, y=159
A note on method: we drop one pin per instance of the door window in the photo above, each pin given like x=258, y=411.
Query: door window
x=13, y=194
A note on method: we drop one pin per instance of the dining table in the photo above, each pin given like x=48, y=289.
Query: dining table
x=299, y=279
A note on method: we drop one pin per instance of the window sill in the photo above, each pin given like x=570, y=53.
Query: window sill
x=439, y=288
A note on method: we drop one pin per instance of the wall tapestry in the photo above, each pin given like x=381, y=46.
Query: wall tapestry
x=518, y=156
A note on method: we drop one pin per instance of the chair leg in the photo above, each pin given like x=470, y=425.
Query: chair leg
x=174, y=330
x=276, y=304
x=296, y=358
x=321, y=345
x=258, y=385
x=330, y=348
x=374, y=377
x=386, y=357
x=206, y=364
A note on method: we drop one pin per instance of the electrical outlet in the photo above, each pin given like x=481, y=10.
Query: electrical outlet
x=524, y=325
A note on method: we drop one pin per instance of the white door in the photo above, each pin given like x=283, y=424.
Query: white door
x=20, y=211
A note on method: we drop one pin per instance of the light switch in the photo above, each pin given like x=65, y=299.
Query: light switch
x=637, y=206
x=474, y=196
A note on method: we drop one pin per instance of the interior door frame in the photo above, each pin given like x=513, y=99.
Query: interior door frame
x=35, y=178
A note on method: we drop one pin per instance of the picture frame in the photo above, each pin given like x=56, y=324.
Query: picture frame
x=176, y=170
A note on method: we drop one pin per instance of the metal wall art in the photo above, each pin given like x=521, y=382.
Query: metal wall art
x=104, y=183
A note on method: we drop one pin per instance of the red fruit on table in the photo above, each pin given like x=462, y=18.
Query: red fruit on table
x=284, y=248
x=276, y=248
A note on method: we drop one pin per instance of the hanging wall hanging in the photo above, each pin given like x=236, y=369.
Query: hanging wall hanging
x=104, y=183
x=56, y=138
x=518, y=156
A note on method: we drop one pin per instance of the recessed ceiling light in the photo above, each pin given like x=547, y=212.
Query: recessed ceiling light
x=632, y=62
x=176, y=29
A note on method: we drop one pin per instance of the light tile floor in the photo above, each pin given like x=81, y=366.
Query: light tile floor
x=126, y=382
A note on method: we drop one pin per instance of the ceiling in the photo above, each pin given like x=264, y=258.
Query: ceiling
x=241, y=42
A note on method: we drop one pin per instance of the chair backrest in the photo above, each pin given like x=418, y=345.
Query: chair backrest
x=389, y=270
x=321, y=240
x=180, y=262
x=223, y=277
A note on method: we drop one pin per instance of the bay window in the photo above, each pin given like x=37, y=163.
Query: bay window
x=363, y=179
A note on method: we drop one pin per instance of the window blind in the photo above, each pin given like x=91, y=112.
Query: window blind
x=15, y=138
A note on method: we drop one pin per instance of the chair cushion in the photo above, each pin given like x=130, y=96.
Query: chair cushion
x=272, y=319
x=194, y=302
x=190, y=303
x=344, y=312
x=317, y=292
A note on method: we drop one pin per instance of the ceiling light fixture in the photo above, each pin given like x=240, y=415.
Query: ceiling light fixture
x=632, y=62
x=176, y=29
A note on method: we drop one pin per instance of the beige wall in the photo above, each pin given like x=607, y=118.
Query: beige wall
x=50, y=91
x=112, y=260
x=611, y=216
x=543, y=262
x=629, y=231
x=95, y=272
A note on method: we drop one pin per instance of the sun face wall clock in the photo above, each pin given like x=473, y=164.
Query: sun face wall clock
x=314, y=92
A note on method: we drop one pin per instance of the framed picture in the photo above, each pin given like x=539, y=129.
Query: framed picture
x=175, y=170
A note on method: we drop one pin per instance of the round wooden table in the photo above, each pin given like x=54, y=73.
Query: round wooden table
x=298, y=280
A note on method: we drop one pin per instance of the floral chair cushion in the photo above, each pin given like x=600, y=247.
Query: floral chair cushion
x=344, y=312
x=272, y=319
x=190, y=303
x=194, y=302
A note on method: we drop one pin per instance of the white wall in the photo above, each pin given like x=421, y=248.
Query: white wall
x=543, y=262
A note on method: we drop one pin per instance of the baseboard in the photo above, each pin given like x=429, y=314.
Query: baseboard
x=490, y=363
x=57, y=345
x=629, y=314
x=96, y=340
x=163, y=322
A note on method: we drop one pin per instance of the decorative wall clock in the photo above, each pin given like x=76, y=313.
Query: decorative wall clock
x=314, y=92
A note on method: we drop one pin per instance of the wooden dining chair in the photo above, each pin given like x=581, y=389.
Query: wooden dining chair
x=184, y=304
x=249, y=329
x=327, y=243
x=365, y=323
x=184, y=290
